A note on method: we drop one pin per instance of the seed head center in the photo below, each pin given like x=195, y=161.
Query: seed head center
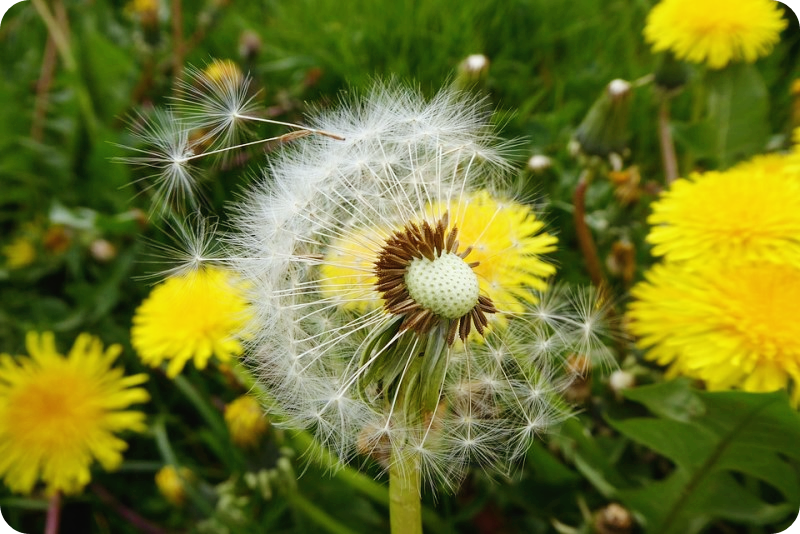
x=446, y=285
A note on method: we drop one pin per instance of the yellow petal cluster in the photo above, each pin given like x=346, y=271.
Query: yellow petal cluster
x=245, y=420
x=505, y=238
x=722, y=306
x=751, y=212
x=171, y=483
x=730, y=325
x=58, y=414
x=715, y=32
x=191, y=317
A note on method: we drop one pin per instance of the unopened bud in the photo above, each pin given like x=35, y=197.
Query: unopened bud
x=539, y=163
x=621, y=261
x=604, y=131
x=473, y=69
x=249, y=45
x=102, y=250
x=671, y=74
x=613, y=519
x=620, y=380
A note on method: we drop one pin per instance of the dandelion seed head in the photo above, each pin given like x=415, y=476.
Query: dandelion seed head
x=374, y=263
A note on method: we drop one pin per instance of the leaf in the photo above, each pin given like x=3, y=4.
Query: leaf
x=714, y=438
x=736, y=124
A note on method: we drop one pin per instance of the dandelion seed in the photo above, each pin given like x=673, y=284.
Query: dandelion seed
x=58, y=414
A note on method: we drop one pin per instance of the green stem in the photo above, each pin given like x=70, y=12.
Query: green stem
x=405, y=508
x=668, y=156
x=319, y=516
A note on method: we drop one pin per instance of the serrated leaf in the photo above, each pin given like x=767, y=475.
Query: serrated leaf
x=713, y=438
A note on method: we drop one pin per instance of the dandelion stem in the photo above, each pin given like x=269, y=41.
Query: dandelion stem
x=319, y=516
x=53, y=514
x=405, y=508
x=667, y=144
x=177, y=42
x=582, y=232
x=141, y=524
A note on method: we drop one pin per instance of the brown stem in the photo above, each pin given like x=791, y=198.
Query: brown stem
x=43, y=88
x=140, y=523
x=667, y=144
x=177, y=42
x=584, y=235
x=53, y=514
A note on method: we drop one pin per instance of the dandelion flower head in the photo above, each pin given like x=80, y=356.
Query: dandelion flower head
x=191, y=316
x=732, y=324
x=245, y=420
x=748, y=213
x=375, y=259
x=171, y=483
x=715, y=32
x=58, y=414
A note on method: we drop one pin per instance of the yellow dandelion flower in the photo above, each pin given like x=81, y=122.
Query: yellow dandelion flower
x=171, y=483
x=19, y=253
x=246, y=421
x=715, y=32
x=58, y=414
x=732, y=325
x=191, y=316
x=506, y=241
x=223, y=71
x=748, y=213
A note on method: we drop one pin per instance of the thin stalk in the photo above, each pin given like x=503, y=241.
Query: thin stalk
x=141, y=524
x=177, y=43
x=43, y=88
x=59, y=32
x=582, y=232
x=319, y=516
x=668, y=155
x=405, y=507
x=53, y=514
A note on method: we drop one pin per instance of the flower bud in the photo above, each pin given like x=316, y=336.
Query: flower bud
x=671, y=74
x=245, y=420
x=472, y=70
x=539, y=163
x=102, y=250
x=170, y=483
x=621, y=261
x=613, y=519
x=604, y=131
x=249, y=45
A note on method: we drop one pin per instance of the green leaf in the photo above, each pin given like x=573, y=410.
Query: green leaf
x=714, y=439
x=736, y=121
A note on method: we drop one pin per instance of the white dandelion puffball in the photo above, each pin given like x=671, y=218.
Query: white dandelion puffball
x=400, y=291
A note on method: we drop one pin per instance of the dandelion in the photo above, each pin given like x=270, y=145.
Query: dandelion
x=731, y=324
x=19, y=253
x=715, y=32
x=58, y=414
x=750, y=212
x=216, y=108
x=400, y=291
x=171, y=483
x=191, y=316
x=246, y=422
